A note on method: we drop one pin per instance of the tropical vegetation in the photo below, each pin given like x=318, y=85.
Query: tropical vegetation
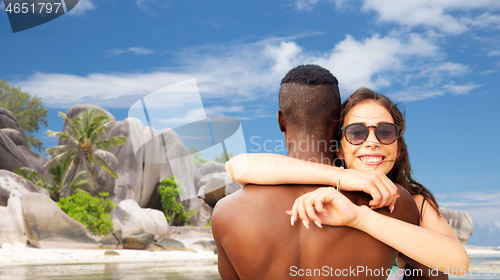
x=174, y=210
x=28, y=110
x=92, y=212
x=84, y=149
x=197, y=157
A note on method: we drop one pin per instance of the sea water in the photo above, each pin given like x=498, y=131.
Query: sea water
x=118, y=271
x=482, y=267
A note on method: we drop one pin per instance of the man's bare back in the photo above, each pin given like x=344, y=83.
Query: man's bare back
x=256, y=241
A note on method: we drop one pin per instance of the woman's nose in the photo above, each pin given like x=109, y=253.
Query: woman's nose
x=372, y=140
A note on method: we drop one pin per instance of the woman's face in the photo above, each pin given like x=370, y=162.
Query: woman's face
x=371, y=154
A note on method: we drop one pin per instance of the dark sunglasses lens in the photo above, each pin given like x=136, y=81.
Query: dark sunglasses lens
x=387, y=133
x=356, y=134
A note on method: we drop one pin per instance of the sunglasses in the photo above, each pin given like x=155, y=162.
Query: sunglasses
x=386, y=133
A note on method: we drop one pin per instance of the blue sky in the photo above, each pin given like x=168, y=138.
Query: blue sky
x=440, y=59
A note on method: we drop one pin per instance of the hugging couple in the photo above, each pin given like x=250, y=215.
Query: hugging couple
x=370, y=220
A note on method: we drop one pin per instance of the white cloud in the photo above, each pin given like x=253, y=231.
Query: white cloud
x=253, y=71
x=415, y=93
x=219, y=110
x=133, y=50
x=142, y=51
x=373, y=61
x=151, y=6
x=494, y=53
x=485, y=20
x=310, y=4
x=460, y=89
x=482, y=207
x=202, y=113
x=453, y=69
x=82, y=7
x=487, y=72
x=305, y=4
x=115, y=90
x=191, y=116
x=449, y=16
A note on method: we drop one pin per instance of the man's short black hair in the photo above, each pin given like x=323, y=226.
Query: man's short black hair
x=309, y=75
x=309, y=99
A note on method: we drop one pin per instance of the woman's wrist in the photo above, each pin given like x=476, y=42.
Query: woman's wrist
x=333, y=176
x=362, y=217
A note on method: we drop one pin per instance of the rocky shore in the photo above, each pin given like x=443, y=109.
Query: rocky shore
x=195, y=241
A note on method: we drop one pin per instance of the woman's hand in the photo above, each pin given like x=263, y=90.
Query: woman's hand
x=383, y=191
x=324, y=206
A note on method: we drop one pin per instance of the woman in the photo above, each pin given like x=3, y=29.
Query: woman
x=375, y=154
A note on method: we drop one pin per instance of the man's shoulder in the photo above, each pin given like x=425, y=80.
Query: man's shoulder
x=406, y=209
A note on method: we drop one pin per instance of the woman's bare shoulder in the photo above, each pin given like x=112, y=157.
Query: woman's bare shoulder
x=419, y=199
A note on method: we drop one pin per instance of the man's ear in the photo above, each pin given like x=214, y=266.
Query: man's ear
x=281, y=121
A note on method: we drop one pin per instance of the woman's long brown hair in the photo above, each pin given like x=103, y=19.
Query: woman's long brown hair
x=401, y=171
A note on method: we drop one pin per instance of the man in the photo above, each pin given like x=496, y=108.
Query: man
x=251, y=229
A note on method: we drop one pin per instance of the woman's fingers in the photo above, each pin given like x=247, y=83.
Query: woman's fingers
x=375, y=183
x=306, y=206
x=294, y=213
x=382, y=190
x=311, y=212
x=391, y=188
x=385, y=196
x=302, y=212
x=373, y=190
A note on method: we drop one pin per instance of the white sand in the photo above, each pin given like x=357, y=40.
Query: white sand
x=20, y=254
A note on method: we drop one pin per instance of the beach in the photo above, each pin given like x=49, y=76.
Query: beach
x=24, y=262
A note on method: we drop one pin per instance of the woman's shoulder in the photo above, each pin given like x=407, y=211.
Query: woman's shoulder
x=419, y=200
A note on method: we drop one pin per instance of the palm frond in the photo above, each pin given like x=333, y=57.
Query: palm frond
x=56, y=150
x=103, y=154
x=57, y=159
x=80, y=180
x=105, y=166
x=111, y=142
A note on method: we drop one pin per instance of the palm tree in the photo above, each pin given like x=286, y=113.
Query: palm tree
x=86, y=148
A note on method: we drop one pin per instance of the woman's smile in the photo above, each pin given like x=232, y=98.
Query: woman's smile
x=374, y=159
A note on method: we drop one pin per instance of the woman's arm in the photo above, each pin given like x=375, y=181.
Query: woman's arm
x=275, y=169
x=433, y=243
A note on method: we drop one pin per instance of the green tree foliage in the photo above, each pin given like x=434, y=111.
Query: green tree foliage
x=198, y=159
x=28, y=110
x=173, y=209
x=196, y=156
x=223, y=157
x=86, y=149
x=92, y=212
x=54, y=189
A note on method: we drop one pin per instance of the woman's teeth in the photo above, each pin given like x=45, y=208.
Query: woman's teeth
x=370, y=159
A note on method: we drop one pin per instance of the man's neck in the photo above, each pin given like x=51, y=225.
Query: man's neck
x=316, y=147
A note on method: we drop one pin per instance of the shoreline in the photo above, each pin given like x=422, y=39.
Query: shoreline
x=20, y=254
